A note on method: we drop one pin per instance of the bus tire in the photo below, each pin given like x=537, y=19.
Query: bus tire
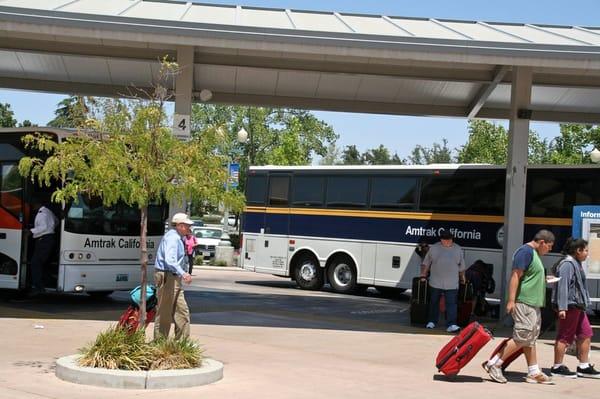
x=307, y=273
x=342, y=275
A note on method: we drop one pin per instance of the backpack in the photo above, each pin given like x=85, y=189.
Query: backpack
x=136, y=298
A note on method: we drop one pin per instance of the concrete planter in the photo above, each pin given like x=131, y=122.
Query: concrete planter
x=67, y=369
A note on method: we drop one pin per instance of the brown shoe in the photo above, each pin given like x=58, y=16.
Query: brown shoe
x=539, y=378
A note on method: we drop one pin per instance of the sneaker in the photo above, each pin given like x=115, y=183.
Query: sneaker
x=453, y=328
x=430, y=325
x=496, y=374
x=562, y=371
x=539, y=378
x=485, y=365
x=588, y=372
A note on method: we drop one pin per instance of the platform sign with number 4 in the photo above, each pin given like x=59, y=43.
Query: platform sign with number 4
x=181, y=126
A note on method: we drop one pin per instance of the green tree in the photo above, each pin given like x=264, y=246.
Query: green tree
x=7, y=116
x=573, y=144
x=332, y=156
x=133, y=158
x=351, y=156
x=72, y=112
x=437, y=153
x=487, y=143
x=377, y=156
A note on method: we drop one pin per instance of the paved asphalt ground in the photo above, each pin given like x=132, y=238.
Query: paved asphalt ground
x=276, y=342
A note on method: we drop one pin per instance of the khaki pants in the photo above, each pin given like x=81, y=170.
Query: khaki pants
x=171, y=306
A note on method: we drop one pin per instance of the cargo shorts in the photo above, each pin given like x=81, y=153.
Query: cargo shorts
x=528, y=322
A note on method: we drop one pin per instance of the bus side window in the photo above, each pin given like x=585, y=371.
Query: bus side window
x=256, y=189
x=308, y=190
x=279, y=188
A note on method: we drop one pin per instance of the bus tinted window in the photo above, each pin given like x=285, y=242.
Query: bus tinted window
x=308, y=190
x=256, y=189
x=445, y=194
x=548, y=196
x=11, y=189
x=348, y=192
x=88, y=216
x=488, y=195
x=279, y=188
x=587, y=191
x=393, y=192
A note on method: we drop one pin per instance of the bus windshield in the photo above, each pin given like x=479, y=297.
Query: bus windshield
x=89, y=216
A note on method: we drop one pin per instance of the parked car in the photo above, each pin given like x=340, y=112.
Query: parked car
x=230, y=220
x=208, y=239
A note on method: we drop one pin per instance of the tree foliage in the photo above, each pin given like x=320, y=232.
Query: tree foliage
x=488, y=143
x=71, y=112
x=351, y=156
x=7, y=116
x=437, y=153
x=133, y=157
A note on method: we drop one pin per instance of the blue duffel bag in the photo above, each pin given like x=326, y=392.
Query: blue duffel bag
x=151, y=299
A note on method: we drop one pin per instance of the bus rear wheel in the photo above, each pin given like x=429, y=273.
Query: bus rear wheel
x=308, y=274
x=342, y=275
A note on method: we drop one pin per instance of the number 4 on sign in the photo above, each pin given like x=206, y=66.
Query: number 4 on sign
x=181, y=126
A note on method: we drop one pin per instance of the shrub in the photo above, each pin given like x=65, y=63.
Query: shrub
x=117, y=348
x=170, y=354
x=198, y=260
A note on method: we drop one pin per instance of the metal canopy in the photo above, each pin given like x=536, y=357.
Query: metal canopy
x=315, y=60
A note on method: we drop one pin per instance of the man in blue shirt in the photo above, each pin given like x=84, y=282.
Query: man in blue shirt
x=168, y=274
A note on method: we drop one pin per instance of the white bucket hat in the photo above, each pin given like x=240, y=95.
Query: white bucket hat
x=181, y=218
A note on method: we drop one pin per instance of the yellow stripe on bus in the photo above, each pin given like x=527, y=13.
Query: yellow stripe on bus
x=404, y=215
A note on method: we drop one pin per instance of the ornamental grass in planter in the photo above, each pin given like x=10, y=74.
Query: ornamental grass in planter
x=117, y=348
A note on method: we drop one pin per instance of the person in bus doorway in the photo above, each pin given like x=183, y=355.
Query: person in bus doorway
x=44, y=241
x=169, y=273
x=571, y=298
x=445, y=264
x=526, y=297
x=190, y=243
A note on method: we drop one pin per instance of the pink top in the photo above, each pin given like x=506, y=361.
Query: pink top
x=190, y=241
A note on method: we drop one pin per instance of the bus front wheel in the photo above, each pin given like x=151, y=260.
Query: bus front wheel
x=308, y=274
x=342, y=275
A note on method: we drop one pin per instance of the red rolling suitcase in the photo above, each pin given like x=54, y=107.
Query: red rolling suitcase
x=462, y=348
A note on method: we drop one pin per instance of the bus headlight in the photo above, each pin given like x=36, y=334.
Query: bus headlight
x=79, y=288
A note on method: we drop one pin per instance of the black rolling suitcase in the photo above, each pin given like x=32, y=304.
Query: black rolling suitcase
x=419, y=301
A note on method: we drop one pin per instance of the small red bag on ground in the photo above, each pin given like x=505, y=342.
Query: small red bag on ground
x=461, y=349
x=130, y=319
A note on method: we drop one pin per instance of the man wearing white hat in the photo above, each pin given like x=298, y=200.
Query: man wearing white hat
x=168, y=274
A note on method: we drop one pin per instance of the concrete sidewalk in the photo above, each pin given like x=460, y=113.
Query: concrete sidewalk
x=268, y=362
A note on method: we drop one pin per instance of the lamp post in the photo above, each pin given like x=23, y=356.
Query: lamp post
x=242, y=137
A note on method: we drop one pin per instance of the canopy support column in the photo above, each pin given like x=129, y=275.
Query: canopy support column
x=516, y=173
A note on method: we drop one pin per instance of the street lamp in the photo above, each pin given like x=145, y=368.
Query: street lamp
x=595, y=155
x=242, y=137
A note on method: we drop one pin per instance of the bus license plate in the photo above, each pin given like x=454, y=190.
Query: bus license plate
x=122, y=277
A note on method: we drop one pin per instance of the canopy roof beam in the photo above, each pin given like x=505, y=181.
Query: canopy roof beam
x=485, y=92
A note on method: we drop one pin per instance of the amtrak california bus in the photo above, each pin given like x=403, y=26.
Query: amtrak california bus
x=98, y=248
x=358, y=226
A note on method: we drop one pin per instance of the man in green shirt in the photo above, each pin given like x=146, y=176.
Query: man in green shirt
x=526, y=297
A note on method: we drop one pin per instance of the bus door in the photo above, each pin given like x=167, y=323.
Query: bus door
x=273, y=242
x=11, y=226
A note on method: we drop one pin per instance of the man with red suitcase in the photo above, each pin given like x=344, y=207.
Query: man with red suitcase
x=526, y=297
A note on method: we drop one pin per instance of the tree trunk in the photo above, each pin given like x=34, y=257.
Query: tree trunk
x=144, y=263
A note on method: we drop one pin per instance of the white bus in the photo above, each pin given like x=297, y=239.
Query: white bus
x=358, y=226
x=98, y=248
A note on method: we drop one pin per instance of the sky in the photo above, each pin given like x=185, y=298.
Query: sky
x=398, y=133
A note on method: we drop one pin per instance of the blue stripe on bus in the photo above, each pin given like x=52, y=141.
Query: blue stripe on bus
x=469, y=234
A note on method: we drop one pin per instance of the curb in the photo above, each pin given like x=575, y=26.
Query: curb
x=226, y=268
x=67, y=369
